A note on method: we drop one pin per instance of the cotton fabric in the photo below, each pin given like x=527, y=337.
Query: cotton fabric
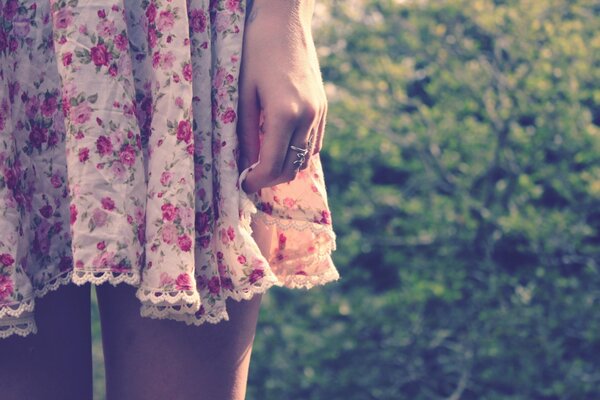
x=118, y=163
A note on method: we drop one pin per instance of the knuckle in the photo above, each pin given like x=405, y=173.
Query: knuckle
x=289, y=112
x=309, y=111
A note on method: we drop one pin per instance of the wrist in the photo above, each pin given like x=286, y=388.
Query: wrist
x=290, y=11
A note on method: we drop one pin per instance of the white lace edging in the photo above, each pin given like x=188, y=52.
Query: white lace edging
x=310, y=281
x=156, y=312
x=21, y=327
x=15, y=310
x=287, y=224
x=176, y=297
x=246, y=293
x=83, y=276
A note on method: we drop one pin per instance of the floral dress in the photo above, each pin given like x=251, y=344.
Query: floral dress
x=118, y=163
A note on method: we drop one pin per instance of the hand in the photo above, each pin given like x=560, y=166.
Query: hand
x=282, y=101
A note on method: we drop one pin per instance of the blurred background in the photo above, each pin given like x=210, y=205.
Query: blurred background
x=462, y=160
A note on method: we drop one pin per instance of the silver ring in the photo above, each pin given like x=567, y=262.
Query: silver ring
x=300, y=154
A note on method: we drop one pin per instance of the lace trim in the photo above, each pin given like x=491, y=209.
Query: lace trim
x=28, y=304
x=181, y=313
x=286, y=224
x=21, y=327
x=16, y=309
x=155, y=312
x=82, y=276
x=61, y=279
x=161, y=297
x=309, y=281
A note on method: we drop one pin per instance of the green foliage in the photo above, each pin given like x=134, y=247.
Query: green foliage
x=462, y=162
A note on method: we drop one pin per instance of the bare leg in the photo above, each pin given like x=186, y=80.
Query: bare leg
x=56, y=362
x=147, y=359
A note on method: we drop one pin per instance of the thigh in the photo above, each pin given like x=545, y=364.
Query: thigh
x=55, y=362
x=159, y=359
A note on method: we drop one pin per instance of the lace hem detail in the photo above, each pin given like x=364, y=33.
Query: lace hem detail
x=28, y=304
x=62, y=279
x=176, y=297
x=182, y=314
x=82, y=276
x=287, y=224
x=157, y=312
x=309, y=281
x=15, y=310
x=22, y=327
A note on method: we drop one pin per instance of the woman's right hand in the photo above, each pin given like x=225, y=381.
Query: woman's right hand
x=282, y=101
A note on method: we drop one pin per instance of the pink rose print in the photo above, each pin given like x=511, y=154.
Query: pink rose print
x=104, y=146
x=99, y=217
x=184, y=131
x=187, y=216
x=6, y=287
x=289, y=202
x=6, y=260
x=38, y=135
x=63, y=18
x=80, y=113
x=165, y=178
x=232, y=5
x=106, y=28
x=73, y=211
x=183, y=282
x=167, y=60
x=56, y=181
x=169, y=233
x=165, y=280
x=103, y=260
x=198, y=20
x=241, y=259
x=127, y=155
x=121, y=42
x=228, y=116
x=184, y=242
x=187, y=72
x=46, y=211
x=214, y=285
x=325, y=218
x=169, y=211
x=282, y=240
x=201, y=221
x=151, y=12
x=165, y=21
x=49, y=106
x=84, y=154
x=108, y=203
x=100, y=55
x=256, y=275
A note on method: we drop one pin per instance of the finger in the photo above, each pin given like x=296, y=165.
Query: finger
x=248, y=125
x=278, y=130
x=320, y=132
x=310, y=145
x=296, y=160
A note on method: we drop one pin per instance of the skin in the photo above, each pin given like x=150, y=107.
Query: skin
x=282, y=101
x=282, y=96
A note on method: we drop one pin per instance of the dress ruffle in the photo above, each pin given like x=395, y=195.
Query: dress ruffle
x=118, y=163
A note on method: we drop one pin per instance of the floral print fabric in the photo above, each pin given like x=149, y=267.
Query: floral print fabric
x=118, y=163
